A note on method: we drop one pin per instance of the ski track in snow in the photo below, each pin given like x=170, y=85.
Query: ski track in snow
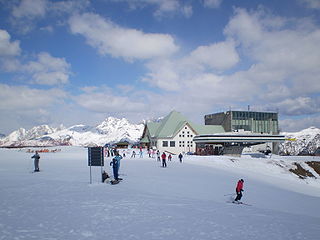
x=183, y=201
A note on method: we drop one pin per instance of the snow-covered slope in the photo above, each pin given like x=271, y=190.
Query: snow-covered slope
x=305, y=142
x=189, y=200
x=111, y=130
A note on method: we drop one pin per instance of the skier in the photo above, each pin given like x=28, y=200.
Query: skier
x=141, y=153
x=119, y=157
x=133, y=154
x=115, y=166
x=239, y=190
x=158, y=155
x=169, y=157
x=36, y=157
x=180, y=157
x=164, y=156
x=149, y=153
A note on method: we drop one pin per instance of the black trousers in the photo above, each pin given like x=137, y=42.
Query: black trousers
x=239, y=196
x=164, y=163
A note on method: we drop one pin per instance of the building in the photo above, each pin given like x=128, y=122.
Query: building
x=174, y=133
x=247, y=130
x=234, y=143
x=254, y=122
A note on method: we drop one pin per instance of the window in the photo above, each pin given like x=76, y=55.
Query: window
x=172, y=143
x=179, y=135
x=185, y=127
x=165, y=144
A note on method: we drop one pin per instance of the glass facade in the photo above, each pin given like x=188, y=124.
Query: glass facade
x=259, y=122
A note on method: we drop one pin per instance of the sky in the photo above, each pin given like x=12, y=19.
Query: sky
x=81, y=61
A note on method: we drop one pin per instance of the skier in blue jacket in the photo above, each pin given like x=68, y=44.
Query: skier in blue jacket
x=115, y=165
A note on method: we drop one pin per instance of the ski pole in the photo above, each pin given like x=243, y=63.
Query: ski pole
x=229, y=194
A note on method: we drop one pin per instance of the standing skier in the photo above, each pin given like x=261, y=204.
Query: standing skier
x=239, y=190
x=36, y=157
x=180, y=157
x=164, y=156
x=115, y=166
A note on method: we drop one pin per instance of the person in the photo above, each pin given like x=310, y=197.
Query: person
x=119, y=157
x=105, y=176
x=115, y=163
x=169, y=157
x=141, y=153
x=133, y=154
x=164, y=156
x=36, y=157
x=180, y=157
x=239, y=190
x=158, y=155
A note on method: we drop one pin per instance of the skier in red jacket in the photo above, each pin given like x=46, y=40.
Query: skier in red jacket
x=164, y=156
x=239, y=190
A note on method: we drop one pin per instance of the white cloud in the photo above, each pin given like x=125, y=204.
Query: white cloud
x=117, y=41
x=297, y=124
x=26, y=14
x=163, y=74
x=104, y=100
x=212, y=3
x=163, y=8
x=48, y=70
x=299, y=106
x=30, y=9
x=16, y=98
x=8, y=47
x=175, y=75
x=219, y=56
x=314, y=4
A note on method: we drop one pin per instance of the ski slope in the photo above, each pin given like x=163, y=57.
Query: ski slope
x=187, y=200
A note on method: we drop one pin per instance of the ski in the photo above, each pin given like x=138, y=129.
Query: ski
x=113, y=182
x=239, y=203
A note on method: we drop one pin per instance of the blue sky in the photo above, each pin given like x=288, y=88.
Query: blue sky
x=81, y=61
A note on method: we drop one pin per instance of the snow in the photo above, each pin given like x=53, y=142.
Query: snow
x=111, y=130
x=187, y=200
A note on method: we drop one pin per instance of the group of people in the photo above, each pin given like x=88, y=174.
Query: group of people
x=115, y=163
x=164, y=158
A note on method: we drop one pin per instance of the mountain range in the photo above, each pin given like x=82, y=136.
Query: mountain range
x=113, y=130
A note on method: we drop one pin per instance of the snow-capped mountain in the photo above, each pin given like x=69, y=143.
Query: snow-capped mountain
x=111, y=130
x=305, y=142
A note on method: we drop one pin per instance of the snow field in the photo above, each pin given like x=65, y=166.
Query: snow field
x=184, y=201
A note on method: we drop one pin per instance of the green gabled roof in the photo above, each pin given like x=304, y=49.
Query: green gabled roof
x=172, y=124
x=145, y=139
x=152, y=128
